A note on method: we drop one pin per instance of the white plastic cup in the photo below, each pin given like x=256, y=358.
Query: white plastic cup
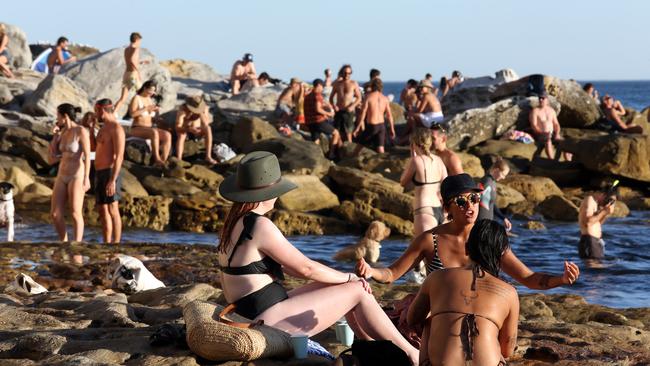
x=337, y=329
x=346, y=335
x=299, y=343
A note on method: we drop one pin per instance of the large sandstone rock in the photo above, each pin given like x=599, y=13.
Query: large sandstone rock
x=500, y=77
x=474, y=126
x=14, y=92
x=349, y=180
x=399, y=204
x=361, y=215
x=627, y=155
x=295, y=156
x=168, y=187
x=471, y=165
x=179, y=68
x=389, y=165
x=505, y=149
x=578, y=109
x=8, y=161
x=18, y=178
x=475, y=92
x=131, y=185
x=563, y=173
x=250, y=130
x=535, y=189
x=507, y=196
x=559, y=208
x=35, y=192
x=203, y=177
x=258, y=102
x=397, y=111
x=150, y=212
x=311, y=195
x=55, y=90
x=18, y=47
x=40, y=126
x=100, y=75
x=22, y=142
x=302, y=223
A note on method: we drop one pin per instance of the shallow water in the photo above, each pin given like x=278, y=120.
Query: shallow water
x=621, y=280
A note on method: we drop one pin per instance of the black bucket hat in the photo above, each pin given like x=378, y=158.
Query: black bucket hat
x=257, y=179
x=454, y=185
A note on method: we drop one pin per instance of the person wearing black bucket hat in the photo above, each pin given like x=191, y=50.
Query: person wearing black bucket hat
x=243, y=71
x=253, y=255
x=444, y=246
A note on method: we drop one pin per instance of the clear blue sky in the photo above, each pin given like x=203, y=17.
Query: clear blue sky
x=584, y=40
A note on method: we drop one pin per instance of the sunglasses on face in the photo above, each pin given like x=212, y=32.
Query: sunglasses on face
x=464, y=201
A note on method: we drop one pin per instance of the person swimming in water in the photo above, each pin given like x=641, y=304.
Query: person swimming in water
x=594, y=210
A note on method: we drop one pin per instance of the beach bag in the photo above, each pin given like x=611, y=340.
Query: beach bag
x=129, y=275
x=223, y=152
x=373, y=353
x=211, y=335
x=535, y=84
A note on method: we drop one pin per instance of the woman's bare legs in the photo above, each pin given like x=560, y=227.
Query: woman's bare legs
x=76, y=202
x=423, y=222
x=207, y=135
x=160, y=140
x=4, y=67
x=180, y=143
x=312, y=309
x=165, y=143
x=57, y=208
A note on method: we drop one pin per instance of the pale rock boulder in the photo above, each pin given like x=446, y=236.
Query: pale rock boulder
x=100, y=75
x=184, y=69
x=249, y=130
x=18, y=47
x=258, y=102
x=535, y=189
x=500, y=77
x=52, y=91
x=311, y=195
x=505, y=149
x=471, y=165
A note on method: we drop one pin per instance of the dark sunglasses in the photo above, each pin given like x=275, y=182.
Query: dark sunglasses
x=463, y=201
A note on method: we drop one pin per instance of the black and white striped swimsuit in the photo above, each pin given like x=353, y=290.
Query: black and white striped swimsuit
x=435, y=263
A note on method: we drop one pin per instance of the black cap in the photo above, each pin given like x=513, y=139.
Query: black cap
x=454, y=185
x=542, y=94
x=248, y=57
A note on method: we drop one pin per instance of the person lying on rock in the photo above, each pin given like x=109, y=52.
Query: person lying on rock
x=143, y=109
x=474, y=313
x=254, y=255
x=193, y=118
x=444, y=247
x=613, y=110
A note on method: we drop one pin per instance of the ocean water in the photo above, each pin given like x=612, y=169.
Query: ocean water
x=620, y=280
x=634, y=94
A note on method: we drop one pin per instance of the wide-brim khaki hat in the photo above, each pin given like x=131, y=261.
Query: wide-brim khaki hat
x=196, y=104
x=258, y=178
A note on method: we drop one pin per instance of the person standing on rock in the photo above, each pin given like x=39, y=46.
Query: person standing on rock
x=254, y=256
x=451, y=160
x=243, y=71
x=375, y=110
x=317, y=114
x=345, y=98
x=424, y=171
x=408, y=98
x=56, y=59
x=131, y=80
x=614, y=110
x=70, y=147
x=488, y=207
x=594, y=210
x=545, y=126
x=143, y=110
x=5, y=56
x=109, y=156
x=193, y=118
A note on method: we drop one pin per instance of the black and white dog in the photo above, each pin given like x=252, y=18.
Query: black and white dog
x=7, y=209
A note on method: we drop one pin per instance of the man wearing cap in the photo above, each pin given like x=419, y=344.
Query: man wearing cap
x=452, y=161
x=345, y=98
x=109, y=155
x=243, y=71
x=287, y=101
x=545, y=126
x=594, y=210
x=193, y=118
x=428, y=111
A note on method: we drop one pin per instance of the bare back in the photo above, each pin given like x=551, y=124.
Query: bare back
x=430, y=170
x=377, y=108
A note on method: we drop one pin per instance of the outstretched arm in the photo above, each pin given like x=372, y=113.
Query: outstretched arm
x=537, y=280
x=413, y=255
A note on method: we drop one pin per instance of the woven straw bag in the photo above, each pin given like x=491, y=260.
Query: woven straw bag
x=215, y=338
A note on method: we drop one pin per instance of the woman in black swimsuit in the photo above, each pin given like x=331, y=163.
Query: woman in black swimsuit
x=474, y=314
x=254, y=255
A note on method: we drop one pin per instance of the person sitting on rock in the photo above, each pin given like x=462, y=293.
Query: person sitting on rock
x=131, y=80
x=408, y=98
x=375, y=110
x=424, y=171
x=594, y=210
x=345, y=98
x=452, y=161
x=444, y=247
x=614, y=110
x=143, y=109
x=193, y=118
x=428, y=111
x=488, y=208
x=470, y=315
x=56, y=60
x=243, y=71
x=545, y=126
x=284, y=108
x=254, y=256
x=591, y=90
x=70, y=147
x=317, y=113
x=5, y=56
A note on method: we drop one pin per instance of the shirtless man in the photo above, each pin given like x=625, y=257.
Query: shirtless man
x=109, y=156
x=614, y=110
x=193, y=117
x=131, y=80
x=451, y=160
x=375, y=110
x=56, y=60
x=284, y=108
x=243, y=71
x=348, y=97
x=428, y=111
x=374, y=74
x=408, y=98
x=545, y=126
x=594, y=210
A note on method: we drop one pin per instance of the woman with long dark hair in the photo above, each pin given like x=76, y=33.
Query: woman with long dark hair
x=471, y=308
x=70, y=147
x=254, y=255
x=143, y=110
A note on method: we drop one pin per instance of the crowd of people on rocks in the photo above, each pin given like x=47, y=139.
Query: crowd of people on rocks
x=463, y=312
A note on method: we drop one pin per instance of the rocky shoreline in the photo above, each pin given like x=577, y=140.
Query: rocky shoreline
x=82, y=321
